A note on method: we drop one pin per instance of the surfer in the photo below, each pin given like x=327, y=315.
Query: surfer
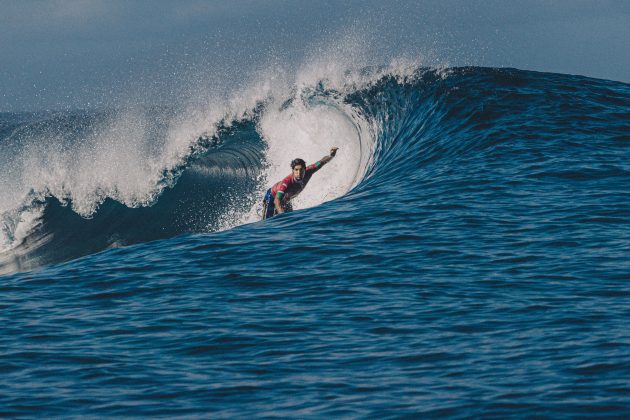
x=278, y=198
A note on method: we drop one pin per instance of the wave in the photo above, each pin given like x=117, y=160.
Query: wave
x=83, y=182
x=80, y=183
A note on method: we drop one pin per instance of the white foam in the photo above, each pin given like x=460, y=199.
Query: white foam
x=18, y=225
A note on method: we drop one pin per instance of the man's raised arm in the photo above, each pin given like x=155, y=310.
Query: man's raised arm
x=329, y=157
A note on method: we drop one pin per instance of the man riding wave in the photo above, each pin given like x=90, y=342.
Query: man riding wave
x=278, y=198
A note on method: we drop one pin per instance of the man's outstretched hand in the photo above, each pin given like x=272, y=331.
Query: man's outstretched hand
x=329, y=157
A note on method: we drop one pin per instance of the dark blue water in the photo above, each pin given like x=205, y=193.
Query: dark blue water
x=478, y=268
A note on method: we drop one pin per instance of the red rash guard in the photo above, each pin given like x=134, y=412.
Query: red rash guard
x=289, y=187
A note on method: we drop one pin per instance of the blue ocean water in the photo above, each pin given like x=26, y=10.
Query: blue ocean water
x=468, y=256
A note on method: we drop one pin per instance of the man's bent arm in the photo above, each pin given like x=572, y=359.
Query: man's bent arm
x=278, y=204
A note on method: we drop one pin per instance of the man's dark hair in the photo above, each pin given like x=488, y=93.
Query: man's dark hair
x=298, y=161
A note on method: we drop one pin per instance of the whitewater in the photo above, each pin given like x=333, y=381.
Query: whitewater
x=465, y=254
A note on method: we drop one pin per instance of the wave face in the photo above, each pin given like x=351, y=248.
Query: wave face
x=467, y=251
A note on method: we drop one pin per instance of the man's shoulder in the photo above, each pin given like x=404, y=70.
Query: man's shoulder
x=285, y=182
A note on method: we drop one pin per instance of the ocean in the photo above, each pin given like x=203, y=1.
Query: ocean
x=466, y=253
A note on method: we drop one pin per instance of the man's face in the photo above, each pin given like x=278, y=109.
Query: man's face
x=298, y=172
